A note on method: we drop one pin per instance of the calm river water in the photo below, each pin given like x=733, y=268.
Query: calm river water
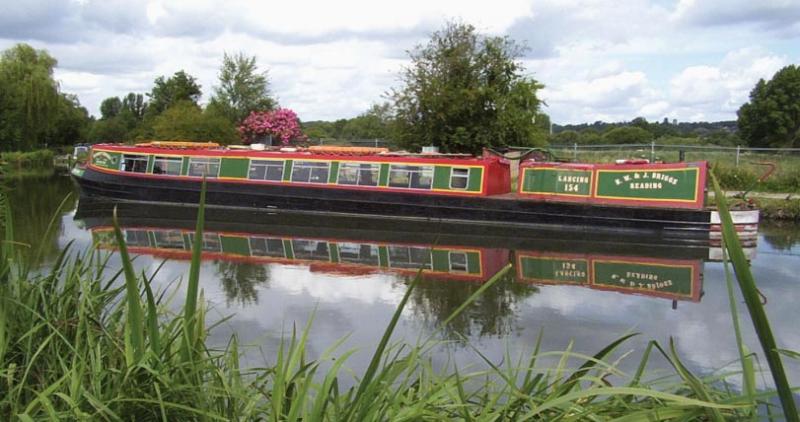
x=272, y=272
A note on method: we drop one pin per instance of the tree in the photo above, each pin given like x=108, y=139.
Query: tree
x=72, y=122
x=281, y=124
x=627, y=135
x=135, y=105
x=465, y=91
x=242, y=88
x=110, y=107
x=372, y=124
x=772, y=116
x=185, y=121
x=29, y=97
x=168, y=92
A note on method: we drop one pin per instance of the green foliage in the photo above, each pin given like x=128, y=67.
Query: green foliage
x=110, y=107
x=71, y=123
x=18, y=161
x=627, y=135
x=122, y=120
x=186, y=121
x=32, y=110
x=242, y=88
x=168, y=92
x=752, y=298
x=465, y=91
x=772, y=116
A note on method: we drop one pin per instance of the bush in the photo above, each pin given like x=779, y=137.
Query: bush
x=34, y=160
x=735, y=178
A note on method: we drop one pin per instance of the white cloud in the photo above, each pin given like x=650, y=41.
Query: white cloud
x=329, y=60
x=722, y=88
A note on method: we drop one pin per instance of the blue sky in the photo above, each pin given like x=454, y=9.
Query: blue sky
x=689, y=60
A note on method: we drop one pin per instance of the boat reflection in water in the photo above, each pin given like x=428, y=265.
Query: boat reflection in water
x=356, y=246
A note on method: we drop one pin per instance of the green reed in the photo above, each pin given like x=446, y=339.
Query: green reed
x=78, y=342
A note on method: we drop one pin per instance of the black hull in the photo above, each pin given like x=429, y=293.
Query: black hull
x=504, y=212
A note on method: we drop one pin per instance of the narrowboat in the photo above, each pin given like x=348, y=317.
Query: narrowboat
x=668, y=199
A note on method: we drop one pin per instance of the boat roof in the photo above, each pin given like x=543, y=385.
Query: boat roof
x=249, y=151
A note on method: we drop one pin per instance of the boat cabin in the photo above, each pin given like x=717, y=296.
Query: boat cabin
x=329, y=167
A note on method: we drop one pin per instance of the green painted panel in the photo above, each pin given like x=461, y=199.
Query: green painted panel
x=333, y=176
x=441, y=177
x=475, y=179
x=287, y=247
x=150, y=161
x=334, y=252
x=235, y=245
x=557, y=181
x=668, y=185
x=234, y=167
x=675, y=279
x=474, y=262
x=383, y=176
x=383, y=256
x=109, y=160
x=287, y=171
x=555, y=270
x=441, y=260
x=185, y=166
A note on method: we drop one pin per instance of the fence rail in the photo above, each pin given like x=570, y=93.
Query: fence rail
x=654, y=151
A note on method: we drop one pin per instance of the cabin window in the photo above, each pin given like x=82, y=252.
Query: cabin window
x=169, y=239
x=137, y=238
x=311, y=249
x=266, y=170
x=359, y=253
x=170, y=166
x=263, y=246
x=459, y=178
x=415, y=177
x=359, y=174
x=310, y=171
x=409, y=257
x=208, y=167
x=458, y=262
x=134, y=163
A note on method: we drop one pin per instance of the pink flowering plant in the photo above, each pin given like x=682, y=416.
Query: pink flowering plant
x=281, y=124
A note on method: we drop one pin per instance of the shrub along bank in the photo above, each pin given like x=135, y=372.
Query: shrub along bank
x=23, y=162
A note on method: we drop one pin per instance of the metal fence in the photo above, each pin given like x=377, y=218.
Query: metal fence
x=735, y=155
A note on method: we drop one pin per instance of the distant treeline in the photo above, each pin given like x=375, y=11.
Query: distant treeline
x=639, y=130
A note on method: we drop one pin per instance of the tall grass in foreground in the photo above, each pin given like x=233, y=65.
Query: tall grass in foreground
x=83, y=344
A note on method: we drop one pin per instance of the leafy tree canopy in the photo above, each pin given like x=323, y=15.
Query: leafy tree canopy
x=627, y=135
x=772, y=116
x=242, y=88
x=29, y=97
x=168, y=92
x=185, y=121
x=110, y=107
x=465, y=91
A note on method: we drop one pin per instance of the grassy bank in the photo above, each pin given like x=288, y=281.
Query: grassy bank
x=785, y=176
x=80, y=343
x=24, y=163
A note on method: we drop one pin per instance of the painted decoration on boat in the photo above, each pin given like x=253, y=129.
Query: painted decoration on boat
x=678, y=185
x=668, y=278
